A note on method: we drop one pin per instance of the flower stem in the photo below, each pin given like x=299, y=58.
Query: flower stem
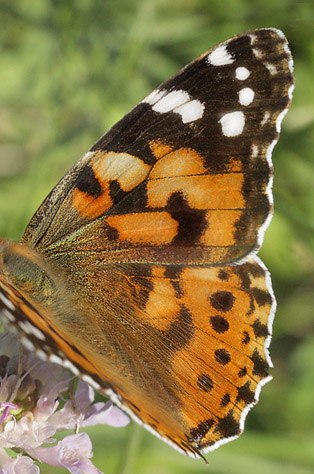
x=132, y=447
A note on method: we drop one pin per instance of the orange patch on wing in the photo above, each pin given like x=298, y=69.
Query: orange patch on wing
x=150, y=227
x=221, y=191
x=182, y=162
x=159, y=148
x=162, y=307
x=220, y=229
x=234, y=165
x=128, y=170
x=199, y=284
x=158, y=272
x=203, y=404
x=89, y=206
x=208, y=381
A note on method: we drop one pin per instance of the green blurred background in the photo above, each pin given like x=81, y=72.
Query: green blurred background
x=69, y=70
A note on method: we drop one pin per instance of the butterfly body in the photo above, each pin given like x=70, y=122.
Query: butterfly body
x=139, y=267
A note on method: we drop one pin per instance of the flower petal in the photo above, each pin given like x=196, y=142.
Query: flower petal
x=84, y=395
x=73, y=453
x=105, y=414
x=17, y=465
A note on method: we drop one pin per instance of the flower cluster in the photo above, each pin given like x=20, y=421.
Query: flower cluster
x=37, y=399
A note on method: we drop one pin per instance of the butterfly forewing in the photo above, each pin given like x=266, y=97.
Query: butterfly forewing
x=188, y=167
x=147, y=246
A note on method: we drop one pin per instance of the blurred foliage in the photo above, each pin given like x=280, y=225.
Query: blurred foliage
x=69, y=70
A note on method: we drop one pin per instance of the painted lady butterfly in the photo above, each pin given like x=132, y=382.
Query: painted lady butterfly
x=139, y=270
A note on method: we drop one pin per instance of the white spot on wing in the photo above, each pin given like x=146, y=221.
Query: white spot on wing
x=280, y=119
x=220, y=57
x=154, y=96
x=254, y=151
x=8, y=315
x=257, y=53
x=28, y=328
x=246, y=96
x=91, y=381
x=68, y=365
x=55, y=359
x=177, y=101
x=242, y=73
x=24, y=326
x=271, y=68
x=7, y=302
x=27, y=344
x=170, y=101
x=41, y=354
x=265, y=118
x=190, y=111
x=232, y=124
x=272, y=310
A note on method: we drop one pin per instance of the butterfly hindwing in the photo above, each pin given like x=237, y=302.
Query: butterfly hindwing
x=207, y=353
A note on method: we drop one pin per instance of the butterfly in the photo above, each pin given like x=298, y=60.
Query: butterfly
x=139, y=269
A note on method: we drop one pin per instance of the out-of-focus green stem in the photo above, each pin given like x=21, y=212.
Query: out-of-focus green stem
x=131, y=450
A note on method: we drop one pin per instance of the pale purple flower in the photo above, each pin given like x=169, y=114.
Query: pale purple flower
x=30, y=414
x=73, y=453
x=18, y=465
